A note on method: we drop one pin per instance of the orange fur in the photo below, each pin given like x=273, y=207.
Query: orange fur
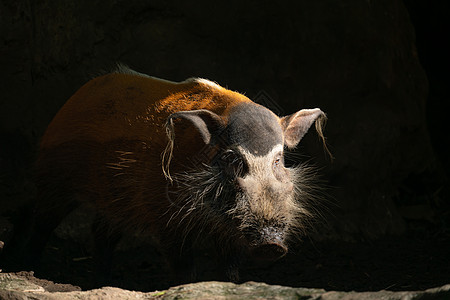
x=130, y=106
x=108, y=140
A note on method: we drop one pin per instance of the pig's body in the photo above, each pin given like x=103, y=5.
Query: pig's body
x=182, y=161
x=108, y=139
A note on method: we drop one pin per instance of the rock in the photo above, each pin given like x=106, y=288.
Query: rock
x=12, y=282
x=25, y=281
x=19, y=287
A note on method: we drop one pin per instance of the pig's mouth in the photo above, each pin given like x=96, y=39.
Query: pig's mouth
x=269, y=252
x=269, y=246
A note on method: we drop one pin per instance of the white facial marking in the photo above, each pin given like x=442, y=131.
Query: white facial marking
x=261, y=166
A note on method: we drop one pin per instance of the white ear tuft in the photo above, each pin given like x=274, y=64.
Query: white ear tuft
x=296, y=125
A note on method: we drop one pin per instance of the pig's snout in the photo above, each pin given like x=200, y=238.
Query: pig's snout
x=270, y=246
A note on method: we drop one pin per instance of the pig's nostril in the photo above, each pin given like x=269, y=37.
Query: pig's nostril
x=269, y=252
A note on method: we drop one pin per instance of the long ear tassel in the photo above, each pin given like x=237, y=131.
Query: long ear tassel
x=168, y=151
x=320, y=124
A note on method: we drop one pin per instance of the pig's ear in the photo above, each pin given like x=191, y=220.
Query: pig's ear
x=296, y=125
x=206, y=122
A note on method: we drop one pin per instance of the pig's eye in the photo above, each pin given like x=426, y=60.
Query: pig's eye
x=278, y=162
x=232, y=163
x=229, y=156
x=278, y=167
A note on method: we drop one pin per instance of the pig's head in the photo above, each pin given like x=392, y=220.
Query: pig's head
x=244, y=194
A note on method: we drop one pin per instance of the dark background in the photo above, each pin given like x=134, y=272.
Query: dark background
x=377, y=68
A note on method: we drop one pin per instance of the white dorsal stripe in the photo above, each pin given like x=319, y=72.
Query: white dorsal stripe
x=208, y=83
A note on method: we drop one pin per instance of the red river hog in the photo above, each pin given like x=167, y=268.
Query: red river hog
x=183, y=162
